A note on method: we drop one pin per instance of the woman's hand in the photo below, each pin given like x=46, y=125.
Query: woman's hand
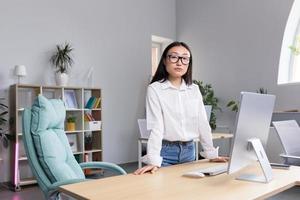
x=145, y=169
x=219, y=159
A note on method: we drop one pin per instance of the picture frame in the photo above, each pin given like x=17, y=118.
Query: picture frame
x=72, y=138
x=70, y=99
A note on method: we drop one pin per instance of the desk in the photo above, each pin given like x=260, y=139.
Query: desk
x=168, y=183
x=215, y=136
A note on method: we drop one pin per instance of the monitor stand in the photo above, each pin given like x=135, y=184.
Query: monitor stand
x=263, y=161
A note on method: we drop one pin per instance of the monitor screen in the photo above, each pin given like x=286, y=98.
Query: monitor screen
x=253, y=121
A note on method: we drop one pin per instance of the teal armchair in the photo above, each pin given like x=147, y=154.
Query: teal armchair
x=49, y=154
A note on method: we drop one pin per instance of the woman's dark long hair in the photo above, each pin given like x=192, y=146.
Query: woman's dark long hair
x=161, y=73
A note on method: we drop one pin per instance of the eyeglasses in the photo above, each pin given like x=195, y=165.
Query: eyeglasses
x=174, y=59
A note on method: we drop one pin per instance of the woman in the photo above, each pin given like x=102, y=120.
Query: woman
x=175, y=113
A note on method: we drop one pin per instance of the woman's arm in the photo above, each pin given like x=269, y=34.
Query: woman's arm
x=156, y=126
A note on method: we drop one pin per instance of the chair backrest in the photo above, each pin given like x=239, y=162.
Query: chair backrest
x=289, y=135
x=46, y=144
x=33, y=160
x=144, y=133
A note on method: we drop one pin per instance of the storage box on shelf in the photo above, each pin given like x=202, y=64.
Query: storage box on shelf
x=75, y=98
x=92, y=125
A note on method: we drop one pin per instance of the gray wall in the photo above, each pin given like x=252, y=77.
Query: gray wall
x=235, y=43
x=113, y=36
x=236, y=46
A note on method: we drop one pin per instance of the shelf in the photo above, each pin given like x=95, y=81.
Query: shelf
x=23, y=158
x=28, y=86
x=79, y=109
x=92, y=151
x=22, y=96
x=77, y=152
x=27, y=181
x=73, y=109
x=92, y=130
x=76, y=131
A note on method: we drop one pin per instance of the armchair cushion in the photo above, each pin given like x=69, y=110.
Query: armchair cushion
x=50, y=140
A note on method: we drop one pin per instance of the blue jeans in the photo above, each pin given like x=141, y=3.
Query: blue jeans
x=176, y=152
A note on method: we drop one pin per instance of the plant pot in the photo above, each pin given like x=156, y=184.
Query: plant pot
x=71, y=126
x=62, y=79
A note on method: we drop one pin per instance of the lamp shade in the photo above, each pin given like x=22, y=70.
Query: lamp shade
x=20, y=70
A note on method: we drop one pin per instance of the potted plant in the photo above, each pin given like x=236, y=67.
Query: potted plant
x=209, y=99
x=71, y=123
x=88, y=141
x=62, y=62
x=234, y=106
x=3, y=121
x=262, y=91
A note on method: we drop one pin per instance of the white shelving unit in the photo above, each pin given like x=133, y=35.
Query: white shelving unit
x=75, y=98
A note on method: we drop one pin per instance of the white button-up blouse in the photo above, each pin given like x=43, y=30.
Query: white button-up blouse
x=176, y=115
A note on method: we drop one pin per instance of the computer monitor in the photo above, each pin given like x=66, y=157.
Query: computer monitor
x=251, y=133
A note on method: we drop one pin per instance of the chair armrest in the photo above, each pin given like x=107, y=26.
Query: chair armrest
x=289, y=156
x=60, y=183
x=103, y=165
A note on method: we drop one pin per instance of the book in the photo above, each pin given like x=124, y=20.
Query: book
x=88, y=117
x=97, y=103
x=90, y=103
x=87, y=158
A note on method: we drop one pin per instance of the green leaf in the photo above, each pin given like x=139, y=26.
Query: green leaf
x=235, y=108
x=209, y=98
x=3, y=120
x=3, y=113
x=61, y=59
x=3, y=106
x=230, y=103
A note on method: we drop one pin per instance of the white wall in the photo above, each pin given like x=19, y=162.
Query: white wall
x=113, y=36
x=236, y=46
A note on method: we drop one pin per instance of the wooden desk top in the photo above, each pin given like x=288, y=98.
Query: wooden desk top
x=168, y=183
x=221, y=135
